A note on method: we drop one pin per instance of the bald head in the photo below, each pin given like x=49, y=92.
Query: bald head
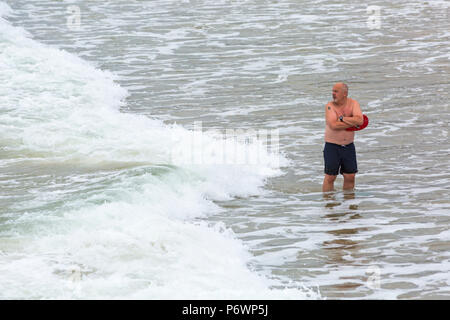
x=342, y=86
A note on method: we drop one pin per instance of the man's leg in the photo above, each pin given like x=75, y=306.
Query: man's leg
x=349, y=167
x=349, y=181
x=328, y=183
x=332, y=163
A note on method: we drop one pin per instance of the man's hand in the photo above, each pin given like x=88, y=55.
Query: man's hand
x=357, y=118
x=353, y=121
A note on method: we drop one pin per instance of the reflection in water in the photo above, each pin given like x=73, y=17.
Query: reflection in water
x=330, y=198
x=344, y=249
x=331, y=202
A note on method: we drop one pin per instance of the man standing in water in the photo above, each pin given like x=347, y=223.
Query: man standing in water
x=339, y=151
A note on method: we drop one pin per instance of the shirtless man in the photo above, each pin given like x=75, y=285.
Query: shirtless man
x=339, y=151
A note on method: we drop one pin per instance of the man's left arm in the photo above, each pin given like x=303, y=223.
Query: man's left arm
x=357, y=118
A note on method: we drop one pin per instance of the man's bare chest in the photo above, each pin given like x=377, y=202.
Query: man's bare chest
x=346, y=111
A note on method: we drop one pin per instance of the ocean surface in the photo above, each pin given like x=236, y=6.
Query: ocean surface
x=172, y=149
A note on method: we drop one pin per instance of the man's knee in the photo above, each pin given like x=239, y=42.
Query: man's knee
x=349, y=177
x=330, y=178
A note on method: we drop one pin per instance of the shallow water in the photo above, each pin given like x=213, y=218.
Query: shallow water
x=252, y=64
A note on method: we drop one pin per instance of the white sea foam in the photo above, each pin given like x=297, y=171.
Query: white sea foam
x=134, y=237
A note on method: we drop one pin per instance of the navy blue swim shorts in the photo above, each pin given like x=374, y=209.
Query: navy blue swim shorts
x=341, y=157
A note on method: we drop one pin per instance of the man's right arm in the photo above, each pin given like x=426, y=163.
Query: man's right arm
x=332, y=120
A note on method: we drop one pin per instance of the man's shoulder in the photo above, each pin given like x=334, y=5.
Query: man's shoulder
x=353, y=100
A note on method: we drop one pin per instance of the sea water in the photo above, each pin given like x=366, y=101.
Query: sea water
x=108, y=192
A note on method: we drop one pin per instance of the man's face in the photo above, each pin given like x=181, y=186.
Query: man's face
x=338, y=93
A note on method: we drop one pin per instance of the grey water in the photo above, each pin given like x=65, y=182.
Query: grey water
x=260, y=64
